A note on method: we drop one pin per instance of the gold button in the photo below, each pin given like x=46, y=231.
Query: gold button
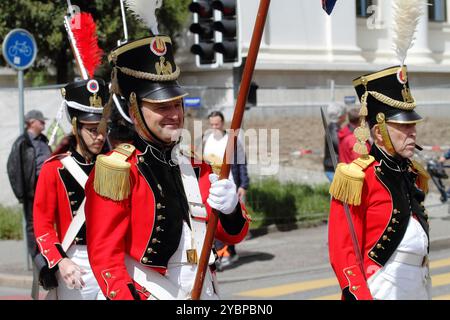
x=144, y=259
x=396, y=211
x=74, y=213
x=108, y=275
x=71, y=193
x=155, y=240
x=160, y=217
x=158, y=206
x=372, y=254
x=385, y=237
x=379, y=169
x=354, y=288
x=350, y=272
x=149, y=250
x=46, y=251
x=158, y=229
x=394, y=220
x=141, y=159
x=389, y=229
x=73, y=202
x=112, y=294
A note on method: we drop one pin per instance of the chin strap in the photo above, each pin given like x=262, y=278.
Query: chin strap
x=387, y=142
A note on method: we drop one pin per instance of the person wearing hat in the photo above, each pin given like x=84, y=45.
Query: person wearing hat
x=60, y=194
x=383, y=252
x=148, y=203
x=336, y=116
x=25, y=161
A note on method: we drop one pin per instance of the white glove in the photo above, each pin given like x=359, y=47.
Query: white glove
x=222, y=194
x=71, y=274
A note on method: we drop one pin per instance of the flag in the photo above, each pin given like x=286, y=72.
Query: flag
x=328, y=5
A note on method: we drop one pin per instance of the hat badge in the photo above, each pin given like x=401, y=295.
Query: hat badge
x=158, y=46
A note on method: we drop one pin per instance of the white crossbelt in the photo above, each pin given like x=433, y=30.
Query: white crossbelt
x=158, y=285
x=78, y=221
x=409, y=258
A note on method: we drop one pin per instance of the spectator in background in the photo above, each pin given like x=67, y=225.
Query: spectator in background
x=214, y=144
x=336, y=116
x=25, y=161
x=347, y=139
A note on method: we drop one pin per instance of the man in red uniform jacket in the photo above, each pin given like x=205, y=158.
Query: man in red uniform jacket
x=385, y=191
x=145, y=210
x=59, y=194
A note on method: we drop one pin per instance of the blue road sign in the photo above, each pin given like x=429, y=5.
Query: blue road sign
x=19, y=49
x=192, y=102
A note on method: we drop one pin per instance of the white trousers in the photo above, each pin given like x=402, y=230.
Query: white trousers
x=78, y=254
x=400, y=281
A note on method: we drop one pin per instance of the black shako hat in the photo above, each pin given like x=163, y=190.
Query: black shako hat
x=387, y=92
x=85, y=99
x=147, y=68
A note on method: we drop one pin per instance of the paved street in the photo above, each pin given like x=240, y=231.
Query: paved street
x=274, y=265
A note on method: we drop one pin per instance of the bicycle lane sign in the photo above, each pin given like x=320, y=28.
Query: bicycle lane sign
x=19, y=49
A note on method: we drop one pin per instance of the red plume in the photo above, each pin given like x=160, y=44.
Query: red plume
x=85, y=34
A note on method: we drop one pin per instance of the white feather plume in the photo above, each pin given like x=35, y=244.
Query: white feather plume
x=406, y=16
x=144, y=10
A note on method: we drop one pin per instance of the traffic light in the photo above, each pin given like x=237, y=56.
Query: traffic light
x=204, y=32
x=228, y=27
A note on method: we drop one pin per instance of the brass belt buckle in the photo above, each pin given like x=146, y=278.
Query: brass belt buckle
x=425, y=261
x=192, y=256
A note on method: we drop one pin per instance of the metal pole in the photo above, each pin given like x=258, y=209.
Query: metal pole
x=21, y=102
x=22, y=131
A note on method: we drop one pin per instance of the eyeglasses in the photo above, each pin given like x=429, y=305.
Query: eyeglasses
x=92, y=131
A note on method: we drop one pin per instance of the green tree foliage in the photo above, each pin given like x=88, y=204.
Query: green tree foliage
x=44, y=19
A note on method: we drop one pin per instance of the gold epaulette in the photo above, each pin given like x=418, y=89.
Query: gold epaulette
x=112, y=173
x=423, y=176
x=348, y=180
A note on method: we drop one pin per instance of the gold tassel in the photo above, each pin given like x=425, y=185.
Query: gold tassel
x=112, y=173
x=363, y=112
x=423, y=176
x=348, y=180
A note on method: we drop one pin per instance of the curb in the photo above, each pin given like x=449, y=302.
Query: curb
x=253, y=233
x=16, y=281
x=440, y=243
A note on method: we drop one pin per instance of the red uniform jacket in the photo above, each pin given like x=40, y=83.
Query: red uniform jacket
x=380, y=223
x=58, y=197
x=139, y=226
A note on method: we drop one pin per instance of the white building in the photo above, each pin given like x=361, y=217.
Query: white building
x=304, y=48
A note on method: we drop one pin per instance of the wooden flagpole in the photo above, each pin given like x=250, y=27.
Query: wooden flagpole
x=235, y=126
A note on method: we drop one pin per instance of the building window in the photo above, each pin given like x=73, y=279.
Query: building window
x=361, y=8
x=437, y=10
